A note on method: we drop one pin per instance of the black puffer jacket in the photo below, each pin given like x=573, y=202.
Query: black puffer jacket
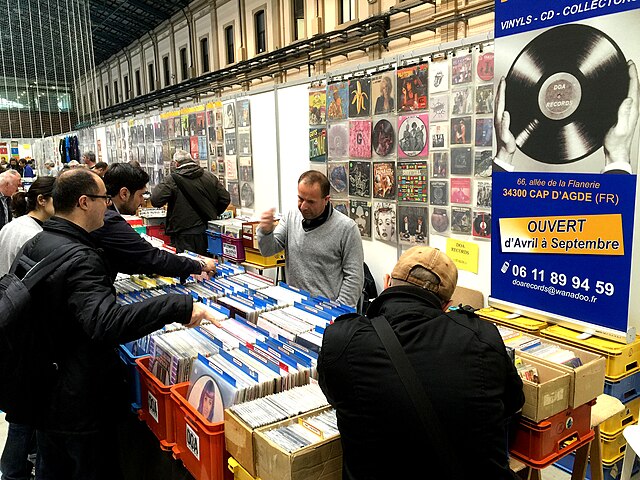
x=206, y=190
x=76, y=307
x=466, y=373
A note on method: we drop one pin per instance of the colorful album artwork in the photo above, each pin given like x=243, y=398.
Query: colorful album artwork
x=439, y=192
x=439, y=220
x=481, y=224
x=461, y=191
x=317, y=106
x=383, y=89
x=413, y=135
x=412, y=225
x=439, y=135
x=484, y=132
x=360, y=179
x=338, y=179
x=483, y=195
x=194, y=147
x=461, y=131
x=360, y=212
x=439, y=76
x=383, y=138
x=439, y=108
x=440, y=167
x=412, y=87
x=338, y=140
x=202, y=147
x=360, y=138
x=243, y=113
x=229, y=114
x=318, y=144
x=484, y=67
x=384, y=180
x=384, y=221
x=341, y=206
x=461, y=220
x=360, y=97
x=483, y=163
x=337, y=101
x=462, y=101
x=484, y=99
x=461, y=69
x=413, y=181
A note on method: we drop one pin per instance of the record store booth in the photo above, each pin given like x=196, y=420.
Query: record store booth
x=319, y=240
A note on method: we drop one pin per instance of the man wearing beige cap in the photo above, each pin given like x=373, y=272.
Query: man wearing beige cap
x=444, y=413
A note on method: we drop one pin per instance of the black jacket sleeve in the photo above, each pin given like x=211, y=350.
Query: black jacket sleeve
x=127, y=252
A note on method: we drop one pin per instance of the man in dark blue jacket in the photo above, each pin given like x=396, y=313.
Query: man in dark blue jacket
x=125, y=250
x=461, y=362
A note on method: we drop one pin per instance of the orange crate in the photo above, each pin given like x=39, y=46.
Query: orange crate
x=157, y=407
x=541, y=444
x=199, y=443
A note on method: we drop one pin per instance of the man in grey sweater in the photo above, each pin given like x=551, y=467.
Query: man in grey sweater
x=322, y=246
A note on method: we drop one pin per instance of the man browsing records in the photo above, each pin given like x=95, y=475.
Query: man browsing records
x=322, y=246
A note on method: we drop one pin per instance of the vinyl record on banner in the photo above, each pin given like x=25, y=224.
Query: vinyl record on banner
x=563, y=93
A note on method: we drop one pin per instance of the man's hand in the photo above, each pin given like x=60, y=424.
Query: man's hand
x=199, y=313
x=505, y=141
x=267, y=221
x=617, y=141
x=209, y=265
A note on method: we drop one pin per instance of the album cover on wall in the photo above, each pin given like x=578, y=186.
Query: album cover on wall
x=230, y=142
x=461, y=131
x=461, y=220
x=461, y=161
x=202, y=147
x=412, y=88
x=412, y=225
x=440, y=167
x=484, y=132
x=439, y=76
x=384, y=184
x=483, y=160
x=338, y=179
x=234, y=192
x=318, y=144
x=244, y=141
x=246, y=194
x=481, y=224
x=383, y=89
x=360, y=179
x=484, y=65
x=383, y=138
x=229, y=114
x=439, y=192
x=461, y=190
x=200, y=124
x=338, y=140
x=194, y=147
x=462, y=101
x=413, y=135
x=384, y=220
x=360, y=138
x=439, y=137
x=439, y=108
x=439, y=220
x=413, y=181
x=171, y=128
x=461, y=69
x=245, y=170
x=484, y=99
x=360, y=97
x=337, y=101
x=243, y=113
x=360, y=212
x=483, y=195
x=231, y=168
x=341, y=206
x=211, y=124
x=317, y=106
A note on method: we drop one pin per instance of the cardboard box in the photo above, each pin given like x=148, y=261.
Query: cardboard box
x=587, y=380
x=322, y=461
x=550, y=396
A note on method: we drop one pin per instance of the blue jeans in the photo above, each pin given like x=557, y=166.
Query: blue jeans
x=21, y=442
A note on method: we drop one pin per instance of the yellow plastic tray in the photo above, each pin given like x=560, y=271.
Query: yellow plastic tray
x=239, y=473
x=622, y=358
x=521, y=323
x=612, y=447
x=628, y=416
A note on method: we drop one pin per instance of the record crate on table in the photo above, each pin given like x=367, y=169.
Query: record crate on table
x=132, y=374
x=214, y=243
x=508, y=319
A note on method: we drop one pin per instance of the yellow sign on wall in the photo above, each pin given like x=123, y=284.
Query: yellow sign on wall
x=464, y=254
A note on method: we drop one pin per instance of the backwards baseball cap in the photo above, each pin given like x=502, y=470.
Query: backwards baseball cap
x=432, y=260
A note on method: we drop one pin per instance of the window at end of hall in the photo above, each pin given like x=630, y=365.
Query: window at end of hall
x=297, y=9
x=229, y=43
x=346, y=10
x=183, y=64
x=261, y=32
x=204, y=53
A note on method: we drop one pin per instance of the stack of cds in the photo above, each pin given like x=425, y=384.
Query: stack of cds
x=551, y=353
x=307, y=432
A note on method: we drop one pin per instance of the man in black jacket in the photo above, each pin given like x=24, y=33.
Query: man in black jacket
x=195, y=196
x=125, y=250
x=461, y=362
x=81, y=326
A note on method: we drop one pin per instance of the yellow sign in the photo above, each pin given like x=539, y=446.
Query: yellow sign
x=464, y=254
x=573, y=235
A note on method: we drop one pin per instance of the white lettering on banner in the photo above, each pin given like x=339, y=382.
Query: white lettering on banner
x=193, y=442
x=153, y=406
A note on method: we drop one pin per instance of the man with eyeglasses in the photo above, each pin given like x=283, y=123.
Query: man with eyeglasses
x=76, y=407
x=125, y=250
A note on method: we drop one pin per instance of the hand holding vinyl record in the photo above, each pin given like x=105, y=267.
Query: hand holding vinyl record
x=505, y=141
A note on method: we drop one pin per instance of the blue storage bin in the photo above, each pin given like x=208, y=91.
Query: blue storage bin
x=625, y=389
x=214, y=243
x=132, y=374
x=610, y=472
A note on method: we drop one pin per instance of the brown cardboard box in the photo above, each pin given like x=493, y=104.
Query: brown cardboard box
x=322, y=461
x=587, y=380
x=550, y=396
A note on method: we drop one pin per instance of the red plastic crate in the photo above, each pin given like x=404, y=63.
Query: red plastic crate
x=199, y=443
x=158, y=231
x=232, y=248
x=541, y=444
x=157, y=407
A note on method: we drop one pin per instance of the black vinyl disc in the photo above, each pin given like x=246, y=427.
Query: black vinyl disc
x=563, y=93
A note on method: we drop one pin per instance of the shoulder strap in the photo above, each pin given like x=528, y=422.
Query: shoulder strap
x=196, y=207
x=415, y=389
x=50, y=263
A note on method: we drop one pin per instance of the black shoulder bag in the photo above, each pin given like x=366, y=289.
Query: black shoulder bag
x=195, y=205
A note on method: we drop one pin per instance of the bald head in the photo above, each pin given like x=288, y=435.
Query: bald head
x=9, y=182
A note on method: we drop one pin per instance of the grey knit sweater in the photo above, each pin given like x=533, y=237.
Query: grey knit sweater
x=325, y=261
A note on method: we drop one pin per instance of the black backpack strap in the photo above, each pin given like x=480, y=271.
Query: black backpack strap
x=416, y=392
x=194, y=205
x=50, y=263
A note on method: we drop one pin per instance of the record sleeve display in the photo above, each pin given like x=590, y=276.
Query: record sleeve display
x=461, y=190
x=384, y=219
x=318, y=144
x=229, y=114
x=338, y=179
x=439, y=192
x=461, y=220
x=462, y=101
x=439, y=76
x=359, y=97
x=484, y=99
x=360, y=138
x=461, y=163
x=482, y=163
x=360, y=212
x=246, y=194
x=234, y=192
x=317, y=106
x=383, y=89
x=484, y=132
x=337, y=101
x=484, y=67
x=384, y=185
x=413, y=181
x=338, y=140
x=483, y=194
x=461, y=69
x=360, y=179
x=439, y=137
x=383, y=138
x=413, y=134
x=245, y=170
x=230, y=147
x=412, y=225
x=243, y=113
x=412, y=87
x=461, y=131
x=440, y=167
x=481, y=224
x=244, y=141
x=439, y=108
x=341, y=206
x=439, y=220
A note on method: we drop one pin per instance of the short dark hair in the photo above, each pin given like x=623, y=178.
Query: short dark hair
x=22, y=203
x=312, y=177
x=119, y=175
x=70, y=186
x=100, y=165
x=90, y=156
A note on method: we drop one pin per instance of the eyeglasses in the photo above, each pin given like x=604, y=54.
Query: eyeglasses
x=106, y=198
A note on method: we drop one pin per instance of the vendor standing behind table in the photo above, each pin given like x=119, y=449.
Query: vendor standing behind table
x=322, y=246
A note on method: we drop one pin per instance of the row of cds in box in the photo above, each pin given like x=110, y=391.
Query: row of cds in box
x=306, y=432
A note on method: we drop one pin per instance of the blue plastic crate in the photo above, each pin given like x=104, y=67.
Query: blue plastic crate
x=214, y=241
x=625, y=389
x=610, y=472
x=132, y=375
